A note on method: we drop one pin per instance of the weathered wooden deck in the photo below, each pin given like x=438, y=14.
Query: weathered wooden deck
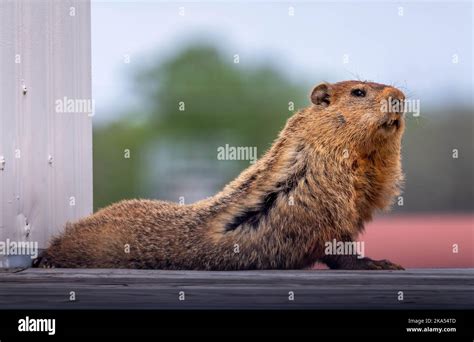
x=313, y=289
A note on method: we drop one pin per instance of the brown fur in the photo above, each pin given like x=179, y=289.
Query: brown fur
x=330, y=168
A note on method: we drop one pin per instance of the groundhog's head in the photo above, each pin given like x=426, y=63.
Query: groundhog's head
x=363, y=111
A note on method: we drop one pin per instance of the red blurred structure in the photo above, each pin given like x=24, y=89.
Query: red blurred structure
x=416, y=241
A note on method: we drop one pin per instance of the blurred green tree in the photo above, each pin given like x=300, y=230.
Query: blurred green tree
x=202, y=98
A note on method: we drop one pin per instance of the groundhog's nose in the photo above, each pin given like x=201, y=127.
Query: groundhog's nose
x=395, y=100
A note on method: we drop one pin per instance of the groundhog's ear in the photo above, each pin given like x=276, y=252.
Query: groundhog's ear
x=320, y=95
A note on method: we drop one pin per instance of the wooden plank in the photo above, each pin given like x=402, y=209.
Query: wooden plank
x=47, y=179
x=313, y=289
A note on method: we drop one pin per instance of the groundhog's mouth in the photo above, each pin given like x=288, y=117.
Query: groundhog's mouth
x=391, y=124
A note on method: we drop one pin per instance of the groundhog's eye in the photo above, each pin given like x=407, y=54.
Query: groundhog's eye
x=358, y=92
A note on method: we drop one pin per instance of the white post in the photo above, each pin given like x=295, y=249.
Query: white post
x=45, y=121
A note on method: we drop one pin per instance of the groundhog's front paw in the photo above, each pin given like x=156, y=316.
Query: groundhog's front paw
x=353, y=262
x=369, y=264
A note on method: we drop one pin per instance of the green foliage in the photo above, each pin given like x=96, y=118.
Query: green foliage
x=220, y=97
x=116, y=150
x=436, y=181
x=224, y=103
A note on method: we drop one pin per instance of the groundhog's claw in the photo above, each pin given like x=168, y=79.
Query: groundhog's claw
x=380, y=265
x=353, y=262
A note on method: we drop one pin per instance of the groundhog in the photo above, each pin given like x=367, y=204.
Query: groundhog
x=333, y=165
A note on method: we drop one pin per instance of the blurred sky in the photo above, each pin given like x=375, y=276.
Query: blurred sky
x=413, y=51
